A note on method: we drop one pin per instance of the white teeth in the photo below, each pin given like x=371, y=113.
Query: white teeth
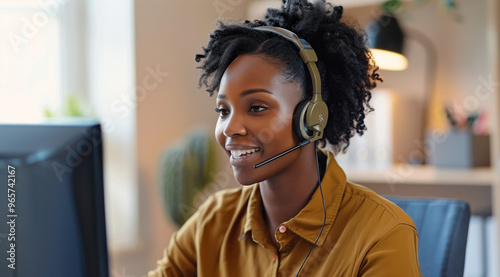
x=238, y=153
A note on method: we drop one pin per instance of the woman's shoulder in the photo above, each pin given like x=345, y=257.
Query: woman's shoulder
x=367, y=201
x=225, y=203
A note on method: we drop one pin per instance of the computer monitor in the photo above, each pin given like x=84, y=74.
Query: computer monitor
x=52, y=218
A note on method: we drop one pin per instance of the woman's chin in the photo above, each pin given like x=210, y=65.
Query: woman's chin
x=245, y=179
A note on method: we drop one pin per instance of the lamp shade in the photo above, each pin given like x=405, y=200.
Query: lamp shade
x=386, y=40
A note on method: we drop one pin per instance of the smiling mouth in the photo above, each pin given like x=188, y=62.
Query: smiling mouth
x=239, y=154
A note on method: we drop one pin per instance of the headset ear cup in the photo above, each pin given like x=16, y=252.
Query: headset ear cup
x=299, y=121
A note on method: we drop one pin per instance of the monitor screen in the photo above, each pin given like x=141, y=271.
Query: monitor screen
x=52, y=201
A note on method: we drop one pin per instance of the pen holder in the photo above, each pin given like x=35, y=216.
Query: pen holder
x=458, y=149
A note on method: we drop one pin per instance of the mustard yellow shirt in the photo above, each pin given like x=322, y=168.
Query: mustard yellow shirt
x=364, y=235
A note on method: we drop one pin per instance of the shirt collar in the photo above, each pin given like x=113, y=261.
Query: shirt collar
x=309, y=220
x=254, y=210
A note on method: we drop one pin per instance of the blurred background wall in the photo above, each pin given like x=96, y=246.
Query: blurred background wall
x=168, y=34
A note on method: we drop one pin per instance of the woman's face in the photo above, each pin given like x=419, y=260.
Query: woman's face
x=256, y=105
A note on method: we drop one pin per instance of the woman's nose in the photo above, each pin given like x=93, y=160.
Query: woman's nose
x=235, y=126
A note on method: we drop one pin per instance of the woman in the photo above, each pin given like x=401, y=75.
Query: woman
x=281, y=222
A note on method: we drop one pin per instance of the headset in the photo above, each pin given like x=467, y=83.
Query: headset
x=310, y=116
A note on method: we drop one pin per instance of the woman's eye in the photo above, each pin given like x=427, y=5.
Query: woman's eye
x=222, y=111
x=256, y=109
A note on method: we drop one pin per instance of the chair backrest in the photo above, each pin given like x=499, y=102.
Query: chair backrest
x=442, y=226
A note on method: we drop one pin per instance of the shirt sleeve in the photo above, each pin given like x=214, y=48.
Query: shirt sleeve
x=395, y=254
x=179, y=259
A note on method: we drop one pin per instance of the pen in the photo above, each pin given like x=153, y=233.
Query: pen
x=449, y=116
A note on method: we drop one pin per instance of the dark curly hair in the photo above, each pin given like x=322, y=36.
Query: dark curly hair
x=345, y=63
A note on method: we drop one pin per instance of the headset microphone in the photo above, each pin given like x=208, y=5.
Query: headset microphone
x=305, y=142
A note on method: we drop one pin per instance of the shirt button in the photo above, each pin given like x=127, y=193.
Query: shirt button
x=282, y=229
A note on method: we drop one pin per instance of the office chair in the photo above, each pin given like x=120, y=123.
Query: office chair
x=442, y=226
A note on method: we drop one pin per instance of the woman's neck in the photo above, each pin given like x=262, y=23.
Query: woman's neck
x=285, y=194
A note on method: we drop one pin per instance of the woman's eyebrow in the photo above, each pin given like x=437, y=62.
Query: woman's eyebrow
x=246, y=92
x=255, y=90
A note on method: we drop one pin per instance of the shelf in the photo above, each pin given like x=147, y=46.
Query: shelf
x=473, y=186
x=421, y=175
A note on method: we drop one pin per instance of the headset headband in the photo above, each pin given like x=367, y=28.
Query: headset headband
x=307, y=54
